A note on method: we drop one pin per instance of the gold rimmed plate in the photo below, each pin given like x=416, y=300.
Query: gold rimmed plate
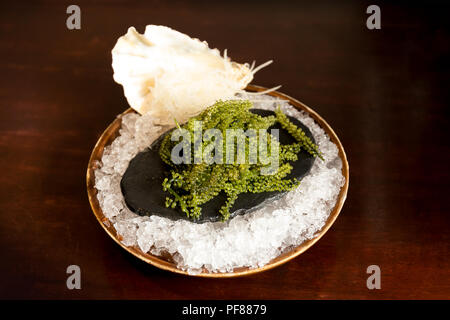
x=165, y=262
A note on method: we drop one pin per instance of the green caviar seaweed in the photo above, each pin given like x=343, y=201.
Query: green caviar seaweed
x=303, y=140
x=193, y=183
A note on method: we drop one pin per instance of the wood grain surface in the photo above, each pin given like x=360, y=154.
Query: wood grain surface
x=384, y=92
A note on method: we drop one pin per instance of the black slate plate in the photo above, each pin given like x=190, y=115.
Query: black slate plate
x=141, y=183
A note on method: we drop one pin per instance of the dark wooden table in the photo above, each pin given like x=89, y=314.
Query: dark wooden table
x=385, y=92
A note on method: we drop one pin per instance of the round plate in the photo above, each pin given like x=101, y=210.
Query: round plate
x=165, y=262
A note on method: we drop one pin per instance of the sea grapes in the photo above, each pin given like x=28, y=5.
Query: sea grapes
x=190, y=185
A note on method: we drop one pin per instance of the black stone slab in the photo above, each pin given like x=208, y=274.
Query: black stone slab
x=141, y=183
